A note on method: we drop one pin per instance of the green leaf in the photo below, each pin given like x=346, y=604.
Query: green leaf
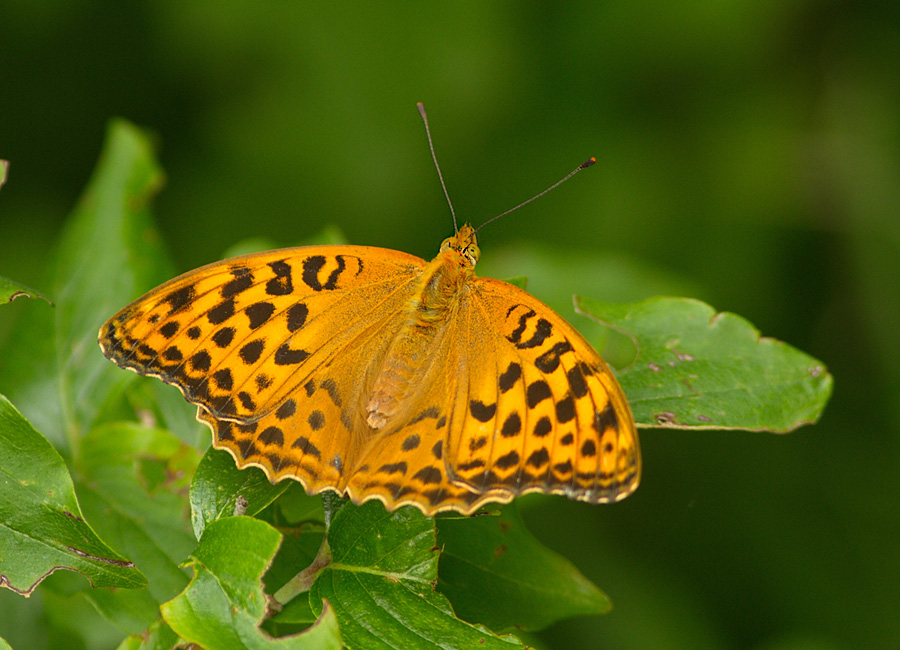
x=158, y=637
x=10, y=290
x=4, y=645
x=4, y=172
x=381, y=584
x=108, y=254
x=218, y=484
x=496, y=573
x=224, y=604
x=702, y=370
x=134, y=483
x=42, y=528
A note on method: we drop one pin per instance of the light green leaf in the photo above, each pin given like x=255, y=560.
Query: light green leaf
x=158, y=637
x=42, y=528
x=10, y=290
x=222, y=607
x=702, y=370
x=381, y=584
x=133, y=482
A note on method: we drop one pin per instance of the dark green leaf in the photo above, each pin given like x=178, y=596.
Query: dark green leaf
x=108, y=254
x=495, y=572
x=42, y=528
x=10, y=290
x=381, y=584
x=699, y=369
x=224, y=604
x=218, y=484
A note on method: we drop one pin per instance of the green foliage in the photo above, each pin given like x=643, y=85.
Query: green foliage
x=10, y=290
x=379, y=580
x=42, y=528
x=695, y=368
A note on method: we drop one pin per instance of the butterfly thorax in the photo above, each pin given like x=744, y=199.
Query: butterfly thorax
x=442, y=285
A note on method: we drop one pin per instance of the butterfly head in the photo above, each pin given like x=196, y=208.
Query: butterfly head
x=464, y=243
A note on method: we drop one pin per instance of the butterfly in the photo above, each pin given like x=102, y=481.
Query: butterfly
x=377, y=375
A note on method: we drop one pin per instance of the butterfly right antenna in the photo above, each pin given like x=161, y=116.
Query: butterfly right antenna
x=587, y=163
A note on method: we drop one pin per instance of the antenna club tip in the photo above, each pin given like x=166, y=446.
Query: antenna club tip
x=587, y=163
x=421, y=107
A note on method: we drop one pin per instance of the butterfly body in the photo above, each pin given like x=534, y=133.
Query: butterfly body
x=378, y=375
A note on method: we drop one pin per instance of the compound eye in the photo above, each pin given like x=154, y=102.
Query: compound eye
x=445, y=244
x=472, y=253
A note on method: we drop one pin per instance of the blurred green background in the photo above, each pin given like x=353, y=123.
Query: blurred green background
x=748, y=154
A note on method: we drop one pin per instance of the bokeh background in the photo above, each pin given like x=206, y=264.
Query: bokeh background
x=748, y=155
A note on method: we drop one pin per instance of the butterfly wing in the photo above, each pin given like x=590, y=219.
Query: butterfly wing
x=273, y=347
x=537, y=410
x=279, y=351
x=513, y=400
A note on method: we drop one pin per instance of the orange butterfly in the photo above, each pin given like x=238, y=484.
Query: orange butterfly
x=378, y=375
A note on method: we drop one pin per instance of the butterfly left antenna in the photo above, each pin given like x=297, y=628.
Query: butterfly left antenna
x=421, y=108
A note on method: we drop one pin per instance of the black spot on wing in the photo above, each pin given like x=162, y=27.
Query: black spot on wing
x=303, y=444
x=201, y=361
x=537, y=392
x=296, y=316
x=508, y=460
x=243, y=280
x=221, y=312
x=258, y=313
x=549, y=360
x=512, y=426
x=565, y=409
x=510, y=376
x=429, y=475
x=223, y=337
x=577, y=384
x=287, y=356
x=286, y=410
x=606, y=419
x=393, y=468
x=316, y=420
x=272, y=436
x=588, y=448
x=180, y=299
x=168, y=330
x=542, y=427
x=251, y=351
x=538, y=458
x=481, y=411
x=281, y=284
x=223, y=379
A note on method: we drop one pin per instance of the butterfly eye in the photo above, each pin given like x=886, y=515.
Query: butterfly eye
x=445, y=244
x=472, y=253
